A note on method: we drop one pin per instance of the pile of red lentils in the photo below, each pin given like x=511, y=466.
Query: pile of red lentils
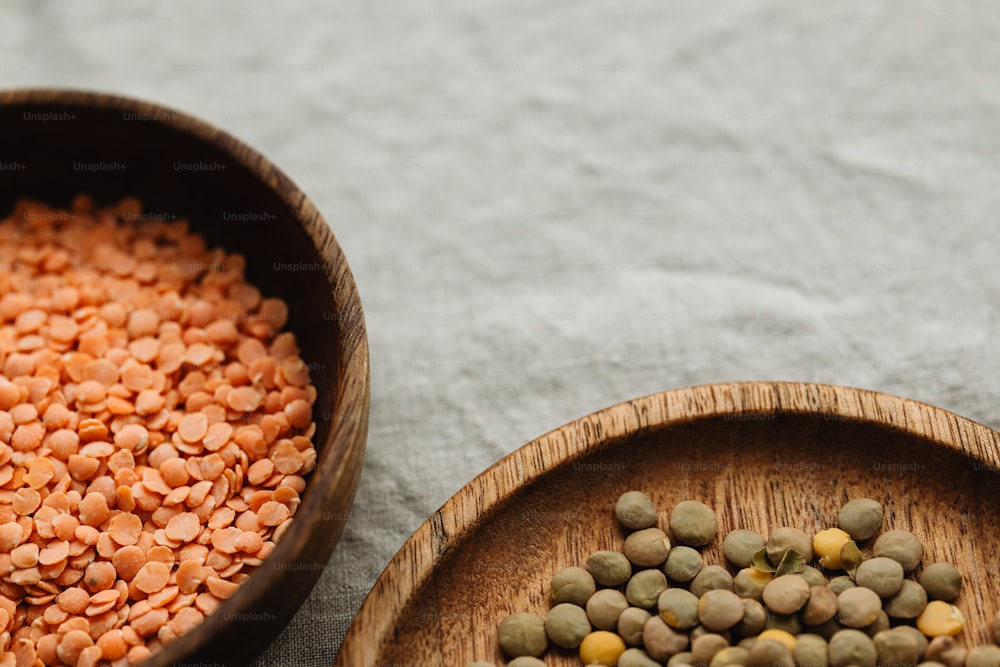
x=155, y=431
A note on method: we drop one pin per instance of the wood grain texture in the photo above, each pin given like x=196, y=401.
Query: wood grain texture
x=291, y=253
x=762, y=454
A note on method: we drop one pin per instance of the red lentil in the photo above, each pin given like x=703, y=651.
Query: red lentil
x=155, y=429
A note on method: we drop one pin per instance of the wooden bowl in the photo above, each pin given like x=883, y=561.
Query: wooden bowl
x=761, y=454
x=55, y=144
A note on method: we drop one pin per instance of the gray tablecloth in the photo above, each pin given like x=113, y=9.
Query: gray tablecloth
x=551, y=208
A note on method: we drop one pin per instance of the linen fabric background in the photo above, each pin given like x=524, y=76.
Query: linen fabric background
x=550, y=208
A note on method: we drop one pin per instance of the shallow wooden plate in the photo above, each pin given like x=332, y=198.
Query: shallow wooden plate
x=762, y=454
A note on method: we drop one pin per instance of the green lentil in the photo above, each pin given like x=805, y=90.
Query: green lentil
x=858, y=607
x=635, y=510
x=710, y=578
x=645, y=587
x=630, y=624
x=852, y=647
x=810, y=651
x=647, y=547
x=754, y=618
x=900, y=545
x=828, y=629
x=908, y=602
x=946, y=650
x=679, y=659
x=636, y=657
x=699, y=630
x=523, y=634
x=790, y=623
x=526, y=661
x=609, y=568
x=785, y=538
x=660, y=640
x=860, y=518
x=917, y=637
x=678, y=608
x=881, y=574
x=820, y=607
x=731, y=655
x=983, y=656
x=813, y=576
x=567, y=625
x=604, y=607
x=880, y=623
x=740, y=545
x=704, y=648
x=682, y=564
x=786, y=594
x=840, y=584
x=769, y=653
x=896, y=648
x=720, y=610
x=942, y=581
x=693, y=523
x=573, y=584
x=750, y=582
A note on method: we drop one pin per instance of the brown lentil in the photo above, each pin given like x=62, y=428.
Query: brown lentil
x=786, y=594
x=647, y=547
x=946, y=651
x=660, y=640
x=820, y=607
x=705, y=646
x=769, y=653
x=983, y=656
x=754, y=619
x=136, y=395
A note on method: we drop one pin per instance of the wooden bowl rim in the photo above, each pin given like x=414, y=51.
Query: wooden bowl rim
x=349, y=431
x=410, y=569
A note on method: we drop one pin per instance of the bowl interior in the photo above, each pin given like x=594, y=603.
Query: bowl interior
x=774, y=460
x=58, y=144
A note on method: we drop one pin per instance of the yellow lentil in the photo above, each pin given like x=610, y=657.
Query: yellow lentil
x=940, y=618
x=827, y=544
x=601, y=647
